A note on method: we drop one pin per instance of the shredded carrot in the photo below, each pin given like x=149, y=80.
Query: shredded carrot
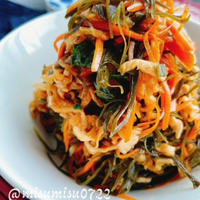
x=184, y=15
x=126, y=131
x=182, y=106
x=170, y=4
x=86, y=168
x=157, y=120
x=154, y=28
x=131, y=154
x=146, y=123
x=155, y=46
x=60, y=37
x=180, y=39
x=165, y=31
x=74, y=6
x=104, y=26
x=186, y=57
x=62, y=50
x=97, y=55
x=127, y=33
x=66, y=135
x=126, y=197
x=166, y=97
x=128, y=3
x=148, y=47
x=170, y=63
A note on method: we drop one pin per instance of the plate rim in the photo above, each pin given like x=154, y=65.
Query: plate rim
x=12, y=181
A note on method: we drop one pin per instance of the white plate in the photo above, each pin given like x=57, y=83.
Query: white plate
x=23, y=161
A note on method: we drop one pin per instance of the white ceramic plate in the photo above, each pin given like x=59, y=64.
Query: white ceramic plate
x=23, y=161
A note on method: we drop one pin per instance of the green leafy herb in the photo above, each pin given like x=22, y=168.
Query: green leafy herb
x=77, y=107
x=82, y=54
x=104, y=93
x=114, y=76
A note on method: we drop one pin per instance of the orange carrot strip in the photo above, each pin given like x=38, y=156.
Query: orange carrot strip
x=97, y=55
x=66, y=135
x=125, y=197
x=61, y=50
x=104, y=26
x=186, y=57
x=184, y=15
x=167, y=105
x=155, y=46
x=131, y=154
x=150, y=130
x=148, y=47
x=86, y=168
x=146, y=123
x=74, y=6
x=127, y=33
x=180, y=39
x=182, y=106
x=60, y=37
x=128, y=3
x=170, y=4
x=154, y=27
x=126, y=131
x=169, y=61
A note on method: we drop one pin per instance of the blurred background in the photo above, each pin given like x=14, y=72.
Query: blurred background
x=15, y=12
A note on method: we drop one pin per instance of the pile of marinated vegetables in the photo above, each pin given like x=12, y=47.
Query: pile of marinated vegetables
x=122, y=100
